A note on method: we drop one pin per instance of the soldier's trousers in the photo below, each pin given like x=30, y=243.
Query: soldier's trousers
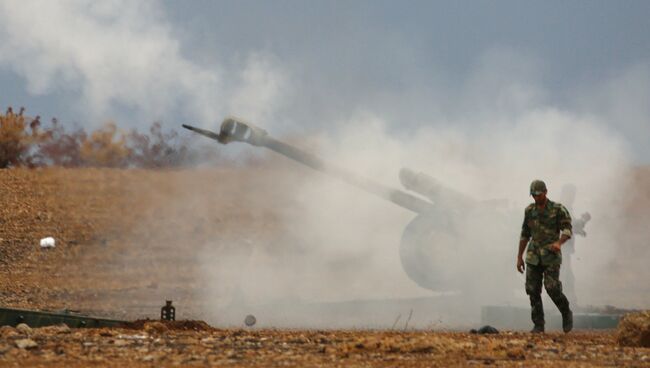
x=550, y=276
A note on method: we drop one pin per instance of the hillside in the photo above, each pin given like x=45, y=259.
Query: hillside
x=122, y=235
x=129, y=239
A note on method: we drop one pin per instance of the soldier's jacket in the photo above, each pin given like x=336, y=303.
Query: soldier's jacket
x=543, y=228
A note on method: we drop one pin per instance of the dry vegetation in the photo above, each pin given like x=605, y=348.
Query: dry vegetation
x=25, y=141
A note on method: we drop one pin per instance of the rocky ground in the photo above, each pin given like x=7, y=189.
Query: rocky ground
x=113, y=258
x=158, y=345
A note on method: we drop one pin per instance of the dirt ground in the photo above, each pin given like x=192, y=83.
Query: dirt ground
x=154, y=346
x=118, y=239
x=113, y=259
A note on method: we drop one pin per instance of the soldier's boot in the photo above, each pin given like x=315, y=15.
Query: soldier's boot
x=567, y=321
x=562, y=304
x=537, y=313
x=537, y=329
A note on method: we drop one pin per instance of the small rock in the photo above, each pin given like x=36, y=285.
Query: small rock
x=517, y=342
x=62, y=329
x=55, y=329
x=26, y=344
x=208, y=340
x=24, y=328
x=133, y=337
x=48, y=242
x=120, y=343
x=148, y=358
x=530, y=345
x=485, y=330
x=516, y=354
x=7, y=332
x=155, y=327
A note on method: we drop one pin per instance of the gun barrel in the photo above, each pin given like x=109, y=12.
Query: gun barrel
x=204, y=132
x=396, y=196
x=236, y=130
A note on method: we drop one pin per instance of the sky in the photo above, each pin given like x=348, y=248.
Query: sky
x=303, y=67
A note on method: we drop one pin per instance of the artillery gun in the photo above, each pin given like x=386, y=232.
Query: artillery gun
x=433, y=247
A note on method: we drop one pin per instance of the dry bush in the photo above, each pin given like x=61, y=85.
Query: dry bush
x=24, y=142
x=15, y=141
x=58, y=148
x=158, y=149
x=634, y=330
x=105, y=147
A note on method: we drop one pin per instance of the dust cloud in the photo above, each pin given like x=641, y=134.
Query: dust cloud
x=340, y=264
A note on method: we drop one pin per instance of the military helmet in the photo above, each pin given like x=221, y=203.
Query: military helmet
x=537, y=187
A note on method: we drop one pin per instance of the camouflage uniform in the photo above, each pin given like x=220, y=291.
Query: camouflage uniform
x=542, y=264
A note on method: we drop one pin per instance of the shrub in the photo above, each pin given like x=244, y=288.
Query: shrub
x=14, y=139
x=158, y=149
x=25, y=142
x=106, y=147
x=58, y=148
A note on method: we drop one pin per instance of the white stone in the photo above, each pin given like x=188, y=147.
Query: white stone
x=47, y=242
x=24, y=328
x=26, y=344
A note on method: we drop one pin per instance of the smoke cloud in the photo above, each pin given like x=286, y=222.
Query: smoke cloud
x=124, y=60
x=345, y=243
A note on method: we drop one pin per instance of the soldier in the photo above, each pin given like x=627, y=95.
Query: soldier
x=549, y=225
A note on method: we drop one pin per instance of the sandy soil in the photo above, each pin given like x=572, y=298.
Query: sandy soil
x=118, y=238
x=113, y=258
x=156, y=346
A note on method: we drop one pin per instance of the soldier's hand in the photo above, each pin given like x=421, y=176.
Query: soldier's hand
x=520, y=265
x=555, y=247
